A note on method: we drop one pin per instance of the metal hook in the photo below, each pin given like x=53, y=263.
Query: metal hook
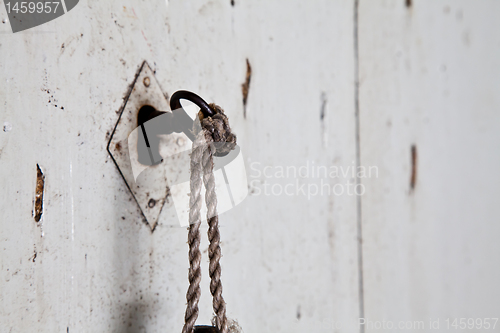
x=175, y=102
x=177, y=121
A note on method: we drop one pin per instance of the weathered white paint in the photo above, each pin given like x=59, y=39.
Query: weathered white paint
x=290, y=264
x=429, y=76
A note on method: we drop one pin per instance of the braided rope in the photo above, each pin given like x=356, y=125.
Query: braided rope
x=214, y=251
x=204, y=147
x=194, y=291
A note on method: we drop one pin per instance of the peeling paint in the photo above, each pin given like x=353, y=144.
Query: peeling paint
x=413, y=178
x=245, y=87
x=40, y=184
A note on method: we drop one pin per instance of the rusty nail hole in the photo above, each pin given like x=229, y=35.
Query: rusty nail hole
x=146, y=81
x=413, y=178
x=40, y=184
x=408, y=3
x=151, y=203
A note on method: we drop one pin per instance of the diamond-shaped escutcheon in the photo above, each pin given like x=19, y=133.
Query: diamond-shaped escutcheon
x=150, y=189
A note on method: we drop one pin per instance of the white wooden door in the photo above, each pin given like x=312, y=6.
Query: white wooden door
x=335, y=85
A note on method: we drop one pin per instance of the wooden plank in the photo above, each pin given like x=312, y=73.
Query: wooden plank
x=429, y=79
x=290, y=263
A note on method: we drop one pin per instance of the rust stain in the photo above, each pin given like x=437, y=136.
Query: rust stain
x=245, y=87
x=40, y=184
x=408, y=3
x=413, y=178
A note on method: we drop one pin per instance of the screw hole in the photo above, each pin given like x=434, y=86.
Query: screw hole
x=151, y=203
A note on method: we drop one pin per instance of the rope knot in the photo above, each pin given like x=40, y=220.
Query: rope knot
x=217, y=129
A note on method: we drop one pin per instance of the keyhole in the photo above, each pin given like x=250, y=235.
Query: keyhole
x=148, y=141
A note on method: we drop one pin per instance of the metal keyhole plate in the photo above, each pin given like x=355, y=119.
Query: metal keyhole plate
x=150, y=190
